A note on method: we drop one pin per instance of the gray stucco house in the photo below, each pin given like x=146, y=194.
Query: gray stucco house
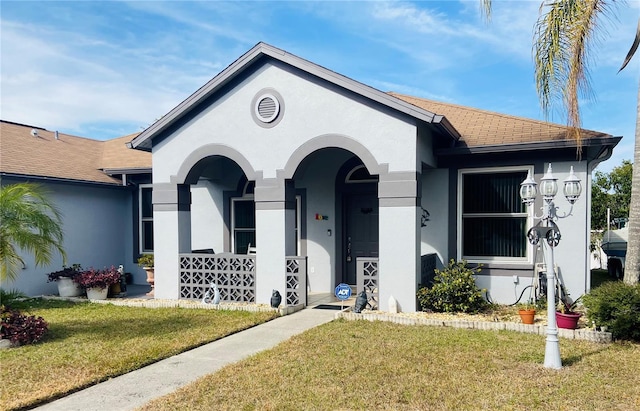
x=279, y=174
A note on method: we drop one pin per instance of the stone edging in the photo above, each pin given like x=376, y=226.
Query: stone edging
x=579, y=334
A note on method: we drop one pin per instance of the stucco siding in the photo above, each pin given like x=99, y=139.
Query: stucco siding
x=310, y=110
x=435, y=199
x=97, y=224
x=207, y=215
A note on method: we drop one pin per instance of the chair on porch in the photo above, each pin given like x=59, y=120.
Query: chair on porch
x=251, y=250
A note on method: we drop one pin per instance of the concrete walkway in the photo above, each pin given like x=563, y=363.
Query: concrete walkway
x=136, y=388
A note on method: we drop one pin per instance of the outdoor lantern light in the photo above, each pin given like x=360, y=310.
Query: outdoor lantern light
x=572, y=187
x=528, y=189
x=548, y=185
x=548, y=232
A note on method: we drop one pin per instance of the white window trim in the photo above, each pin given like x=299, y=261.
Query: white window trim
x=251, y=198
x=528, y=259
x=141, y=249
x=233, y=220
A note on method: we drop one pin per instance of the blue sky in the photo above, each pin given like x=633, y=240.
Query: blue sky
x=106, y=69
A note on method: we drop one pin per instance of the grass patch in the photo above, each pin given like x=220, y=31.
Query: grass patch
x=88, y=343
x=377, y=365
x=599, y=276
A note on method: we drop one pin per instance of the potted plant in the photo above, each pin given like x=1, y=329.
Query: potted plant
x=566, y=317
x=527, y=312
x=146, y=262
x=64, y=278
x=97, y=282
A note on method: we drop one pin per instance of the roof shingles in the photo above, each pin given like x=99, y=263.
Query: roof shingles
x=486, y=128
x=66, y=158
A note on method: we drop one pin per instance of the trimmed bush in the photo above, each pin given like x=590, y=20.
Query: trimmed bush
x=616, y=306
x=21, y=329
x=454, y=290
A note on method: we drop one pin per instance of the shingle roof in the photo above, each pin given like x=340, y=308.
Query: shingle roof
x=486, y=128
x=67, y=158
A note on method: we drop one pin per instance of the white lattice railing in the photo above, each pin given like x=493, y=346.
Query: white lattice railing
x=296, y=292
x=234, y=275
x=368, y=280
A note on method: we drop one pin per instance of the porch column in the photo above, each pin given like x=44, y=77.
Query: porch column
x=399, y=243
x=171, y=235
x=275, y=235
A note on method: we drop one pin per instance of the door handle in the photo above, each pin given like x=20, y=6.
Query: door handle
x=349, y=249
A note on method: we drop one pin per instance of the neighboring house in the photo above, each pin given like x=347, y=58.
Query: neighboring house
x=299, y=179
x=95, y=184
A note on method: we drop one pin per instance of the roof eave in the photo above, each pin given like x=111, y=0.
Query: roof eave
x=115, y=182
x=130, y=170
x=529, y=146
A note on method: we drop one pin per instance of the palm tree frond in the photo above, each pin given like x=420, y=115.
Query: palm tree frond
x=633, y=49
x=29, y=222
x=564, y=34
x=485, y=9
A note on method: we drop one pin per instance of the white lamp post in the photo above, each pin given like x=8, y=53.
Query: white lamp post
x=548, y=229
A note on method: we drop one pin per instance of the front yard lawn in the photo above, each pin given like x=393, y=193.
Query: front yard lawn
x=88, y=343
x=361, y=365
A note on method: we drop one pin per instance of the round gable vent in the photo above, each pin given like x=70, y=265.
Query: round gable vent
x=267, y=108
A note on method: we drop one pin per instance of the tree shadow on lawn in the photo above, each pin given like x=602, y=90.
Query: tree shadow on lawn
x=576, y=358
x=141, y=326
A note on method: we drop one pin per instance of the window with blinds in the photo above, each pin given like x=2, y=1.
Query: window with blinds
x=494, y=220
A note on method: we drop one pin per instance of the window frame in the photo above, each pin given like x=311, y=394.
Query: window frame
x=250, y=197
x=142, y=219
x=460, y=216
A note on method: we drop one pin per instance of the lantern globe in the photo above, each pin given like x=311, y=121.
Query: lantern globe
x=528, y=189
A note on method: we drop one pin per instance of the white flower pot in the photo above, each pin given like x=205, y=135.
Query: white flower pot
x=68, y=288
x=97, y=293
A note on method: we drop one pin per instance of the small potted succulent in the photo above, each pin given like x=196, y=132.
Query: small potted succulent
x=97, y=282
x=64, y=278
x=146, y=262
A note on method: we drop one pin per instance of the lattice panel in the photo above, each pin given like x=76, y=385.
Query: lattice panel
x=234, y=274
x=368, y=280
x=296, y=281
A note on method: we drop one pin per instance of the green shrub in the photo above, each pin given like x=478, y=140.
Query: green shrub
x=616, y=306
x=454, y=290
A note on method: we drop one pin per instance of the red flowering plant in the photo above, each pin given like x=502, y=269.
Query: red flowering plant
x=21, y=329
x=92, y=278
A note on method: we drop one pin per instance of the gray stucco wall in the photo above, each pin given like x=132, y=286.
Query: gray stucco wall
x=97, y=229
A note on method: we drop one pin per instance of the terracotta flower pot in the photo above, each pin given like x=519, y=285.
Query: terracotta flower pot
x=527, y=316
x=568, y=320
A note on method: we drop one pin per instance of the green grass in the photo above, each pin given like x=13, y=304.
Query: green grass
x=88, y=343
x=383, y=366
x=599, y=276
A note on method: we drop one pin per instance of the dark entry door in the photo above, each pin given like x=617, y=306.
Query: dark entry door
x=361, y=231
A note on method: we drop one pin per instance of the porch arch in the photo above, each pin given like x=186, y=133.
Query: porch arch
x=192, y=165
x=330, y=141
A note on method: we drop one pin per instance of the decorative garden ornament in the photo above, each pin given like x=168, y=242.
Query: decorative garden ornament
x=276, y=299
x=212, y=296
x=361, y=302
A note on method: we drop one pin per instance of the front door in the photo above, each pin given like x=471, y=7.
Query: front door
x=361, y=231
